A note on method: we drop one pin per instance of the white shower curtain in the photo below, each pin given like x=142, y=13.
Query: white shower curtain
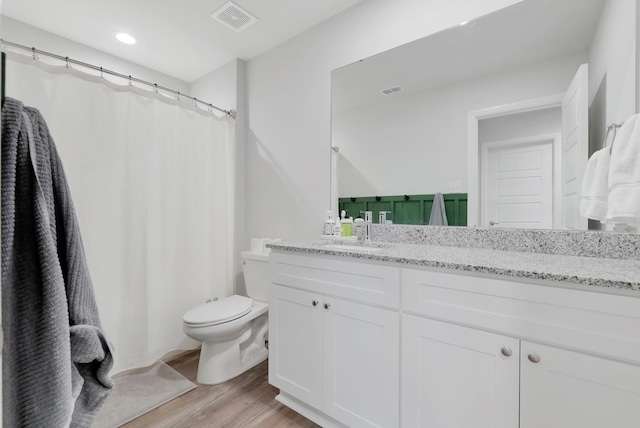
x=150, y=180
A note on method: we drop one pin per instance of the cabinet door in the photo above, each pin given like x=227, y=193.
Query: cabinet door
x=361, y=358
x=295, y=343
x=457, y=377
x=561, y=388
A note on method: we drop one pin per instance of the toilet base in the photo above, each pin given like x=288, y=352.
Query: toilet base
x=222, y=361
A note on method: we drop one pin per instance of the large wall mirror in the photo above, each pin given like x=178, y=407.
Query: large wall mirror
x=476, y=108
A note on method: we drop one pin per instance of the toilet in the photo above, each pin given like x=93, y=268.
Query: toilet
x=233, y=330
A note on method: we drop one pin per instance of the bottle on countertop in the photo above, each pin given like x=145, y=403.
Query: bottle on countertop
x=337, y=229
x=347, y=224
x=329, y=224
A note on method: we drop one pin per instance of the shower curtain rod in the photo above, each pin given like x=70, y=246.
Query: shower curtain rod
x=34, y=51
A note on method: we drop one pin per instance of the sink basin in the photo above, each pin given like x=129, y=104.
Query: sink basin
x=351, y=247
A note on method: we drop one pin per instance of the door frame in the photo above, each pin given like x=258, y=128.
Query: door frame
x=556, y=144
x=473, y=148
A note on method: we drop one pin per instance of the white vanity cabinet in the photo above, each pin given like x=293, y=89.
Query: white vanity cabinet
x=479, y=363
x=560, y=388
x=334, y=339
x=296, y=344
x=362, y=343
x=457, y=377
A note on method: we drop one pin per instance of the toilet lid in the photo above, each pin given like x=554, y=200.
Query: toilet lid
x=219, y=311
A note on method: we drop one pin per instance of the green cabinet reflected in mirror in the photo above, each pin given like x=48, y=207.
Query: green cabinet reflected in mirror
x=407, y=209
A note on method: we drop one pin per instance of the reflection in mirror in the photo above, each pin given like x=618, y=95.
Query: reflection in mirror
x=475, y=108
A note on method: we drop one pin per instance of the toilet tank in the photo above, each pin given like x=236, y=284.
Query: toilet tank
x=255, y=267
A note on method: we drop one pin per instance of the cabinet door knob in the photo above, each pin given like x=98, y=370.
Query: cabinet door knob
x=506, y=351
x=327, y=305
x=315, y=303
x=534, y=358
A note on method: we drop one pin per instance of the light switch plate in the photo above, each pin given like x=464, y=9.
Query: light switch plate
x=455, y=186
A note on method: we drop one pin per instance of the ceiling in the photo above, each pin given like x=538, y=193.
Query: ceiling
x=175, y=37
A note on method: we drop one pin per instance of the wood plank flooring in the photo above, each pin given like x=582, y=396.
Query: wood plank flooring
x=245, y=401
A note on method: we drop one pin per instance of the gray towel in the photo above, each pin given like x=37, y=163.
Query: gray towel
x=56, y=360
x=438, y=215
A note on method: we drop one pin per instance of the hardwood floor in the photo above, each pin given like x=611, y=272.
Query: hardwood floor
x=245, y=401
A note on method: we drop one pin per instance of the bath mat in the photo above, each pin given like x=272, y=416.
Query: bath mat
x=139, y=391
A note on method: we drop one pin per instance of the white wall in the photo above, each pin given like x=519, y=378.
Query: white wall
x=289, y=129
x=637, y=56
x=417, y=143
x=537, y=122
x=220, y=85
x=613, y=54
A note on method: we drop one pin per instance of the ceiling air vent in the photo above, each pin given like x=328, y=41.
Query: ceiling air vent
x=392, y=90
x=232, y=15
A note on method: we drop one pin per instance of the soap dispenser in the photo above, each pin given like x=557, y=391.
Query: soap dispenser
x=329, y=224
x=337, y=229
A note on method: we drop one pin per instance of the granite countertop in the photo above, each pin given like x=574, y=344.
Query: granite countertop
x=592, y=271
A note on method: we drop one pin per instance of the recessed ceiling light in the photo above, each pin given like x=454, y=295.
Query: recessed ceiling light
x=125, y=38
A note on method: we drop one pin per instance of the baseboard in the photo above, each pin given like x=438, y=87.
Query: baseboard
x=308, y=412
x=177, y=354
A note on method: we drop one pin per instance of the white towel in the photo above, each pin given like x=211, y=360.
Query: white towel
x=595, y=186
x=624, y=175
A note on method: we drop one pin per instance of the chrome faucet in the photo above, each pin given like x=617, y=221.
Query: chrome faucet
x=382, y=217
x=368, y=216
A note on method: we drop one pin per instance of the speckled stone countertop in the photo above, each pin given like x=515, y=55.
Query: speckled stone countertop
x=592, y=271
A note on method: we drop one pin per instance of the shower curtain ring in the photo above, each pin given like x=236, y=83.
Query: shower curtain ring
x=155, y=88
x=66, y=59
x=101, y=75
x=33, y=50
x=130, y=84
x=178, y=95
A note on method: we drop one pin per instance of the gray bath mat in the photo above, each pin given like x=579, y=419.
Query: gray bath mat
x=139, y=391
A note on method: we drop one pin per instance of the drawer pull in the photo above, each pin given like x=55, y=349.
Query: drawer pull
x=327, y=305
x=506, y=351
x=534, y=358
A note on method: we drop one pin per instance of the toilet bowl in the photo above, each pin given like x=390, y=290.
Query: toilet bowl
x=233, y=330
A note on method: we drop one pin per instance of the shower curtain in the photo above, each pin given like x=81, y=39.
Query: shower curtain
x=150, y=179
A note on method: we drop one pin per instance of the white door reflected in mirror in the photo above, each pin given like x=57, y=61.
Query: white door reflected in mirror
x=518, y=184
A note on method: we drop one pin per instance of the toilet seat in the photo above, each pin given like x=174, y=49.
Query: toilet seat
x=218, y=312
